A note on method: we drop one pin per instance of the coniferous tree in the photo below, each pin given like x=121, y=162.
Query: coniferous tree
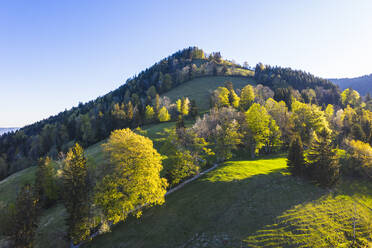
x=23, y=219
x=323, y=164
x=76, y=192
x=193, y=109
x=296, y=160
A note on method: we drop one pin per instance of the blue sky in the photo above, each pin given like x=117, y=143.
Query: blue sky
x=55, y=54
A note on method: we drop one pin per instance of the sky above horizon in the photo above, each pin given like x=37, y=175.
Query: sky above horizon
x=55, y=54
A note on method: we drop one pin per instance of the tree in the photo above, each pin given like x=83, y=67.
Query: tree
x=180, y=165
x=296, y=159
x=3, y=167
x=24, y=218
x=307, y=119
x=233, y=98
x=193, y=109
x=185, y=106
x=135, y=177
x=226, y=139
x=257, y=123
x=220, y=97
x=149, y=113
x=350, y=97
x=45, y=183
x=151, y=92
x=246, y=97
x=157, y=104
x=279, y=112
x=167, y=82
x=163, y=115
x=76, y=194
x=323, y=163
x=358, y=159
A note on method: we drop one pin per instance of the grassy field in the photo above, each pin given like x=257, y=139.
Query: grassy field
x=200, y=89
x=252, y=204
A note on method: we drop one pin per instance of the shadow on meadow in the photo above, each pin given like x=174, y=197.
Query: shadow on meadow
x=219, y=210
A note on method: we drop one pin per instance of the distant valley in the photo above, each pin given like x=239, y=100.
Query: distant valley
x=361, y=84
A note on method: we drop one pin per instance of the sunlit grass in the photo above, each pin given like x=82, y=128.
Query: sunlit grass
x=200, y=89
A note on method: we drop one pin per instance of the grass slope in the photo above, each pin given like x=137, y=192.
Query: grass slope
x=200, y=89
x=251, y=204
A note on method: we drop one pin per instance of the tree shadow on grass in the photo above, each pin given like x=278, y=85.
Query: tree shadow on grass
x=214, y=213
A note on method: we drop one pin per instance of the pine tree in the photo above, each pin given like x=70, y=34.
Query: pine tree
x=193, y=109
x=76, y=191
x=323, y=163
x=296, y=160
x=24, y=218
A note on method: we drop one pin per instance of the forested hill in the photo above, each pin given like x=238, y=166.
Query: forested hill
x=126, y=106
x=361, y=84
x=7, y=129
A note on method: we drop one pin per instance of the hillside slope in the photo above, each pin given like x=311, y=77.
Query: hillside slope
x=200, y=89
x=361, y=84
x=251, y=204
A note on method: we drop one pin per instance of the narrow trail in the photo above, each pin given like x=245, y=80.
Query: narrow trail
x=180, y=186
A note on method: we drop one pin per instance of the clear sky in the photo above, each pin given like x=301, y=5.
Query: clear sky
x=54, y=54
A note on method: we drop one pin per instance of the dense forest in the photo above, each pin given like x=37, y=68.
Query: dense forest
x=126, y=106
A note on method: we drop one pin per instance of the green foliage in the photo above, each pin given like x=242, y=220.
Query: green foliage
x=279, y=112
x=296, y=160
x=259, y=129
x=22, y=217
x=150, y=113
x=227, y=139
x=151, y=92
x=45, y=183
x=307, y=119
x=76, y=194
x=358, y=159
x=323, y=163
x=180, y=165
x=246, y=97
x=135, y=177
x=163, y=115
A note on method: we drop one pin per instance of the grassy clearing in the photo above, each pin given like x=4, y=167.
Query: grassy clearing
x=250, y=204
x=200, y=89
x=10, y=185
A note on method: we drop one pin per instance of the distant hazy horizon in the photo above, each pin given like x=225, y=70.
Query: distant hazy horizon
x=56, y=54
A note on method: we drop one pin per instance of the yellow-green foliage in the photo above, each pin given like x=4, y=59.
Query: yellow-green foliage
x=221, y=97
x=246, y=97
x=163, y=115
x=149, y=113
x=359, y=158
x=350, y=97
x=261, y=128
x=308, y=118
x=135, y=180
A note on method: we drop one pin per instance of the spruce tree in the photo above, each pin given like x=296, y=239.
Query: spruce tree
x=76, y=190
x=296, y=160
x=24, y=218
x=323, y=163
